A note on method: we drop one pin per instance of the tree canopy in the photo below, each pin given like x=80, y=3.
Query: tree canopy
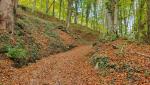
x=120, y=17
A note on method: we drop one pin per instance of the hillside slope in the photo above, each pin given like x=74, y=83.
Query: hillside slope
x=50, y=40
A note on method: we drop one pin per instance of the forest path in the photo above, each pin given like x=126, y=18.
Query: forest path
x=68, y=68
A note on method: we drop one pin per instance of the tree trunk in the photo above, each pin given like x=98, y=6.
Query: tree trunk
x=53, y=8
x=7, y=15
x=148, y=20
x=139, y=24
x=40, y=4
x=47, y=7
x=112, y=15
x=82, y=14
x=34, y=6
x=109, y=21
x=116, y=18
x=60, y=9
x=87, y=14
x=69, y=12
x=76, y=12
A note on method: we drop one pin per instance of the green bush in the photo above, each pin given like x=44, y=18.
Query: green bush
x=101, y=61
x=108, y=37
x=17, y=54
x=4, y=38
x=34, y=52
x=146, y=73
x=113, y=37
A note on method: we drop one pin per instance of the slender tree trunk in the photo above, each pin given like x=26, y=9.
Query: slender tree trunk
x=41, y=4
x=53, y=8
x=116, y=18
x=15, y=6
x=109, y=20
x=63, y=11
x=82, y=14
x=87, y=14
x=34, y=6
x=47, y=6
x=95, y=15
x=76, y=12
x=60, y=8
x=69, y=12
x=139, y=24
x=148, y=20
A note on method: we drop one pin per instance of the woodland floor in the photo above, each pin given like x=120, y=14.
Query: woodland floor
x=73, y=66
x=68, y=68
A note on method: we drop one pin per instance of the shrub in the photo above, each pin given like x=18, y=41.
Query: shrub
x=100, y=61
x=17, y=54
x=49, y=30
x=146, y=73
x=34, y=52
x=4, y=38
x=106, y=37
x=113, y=37
x=121, y=51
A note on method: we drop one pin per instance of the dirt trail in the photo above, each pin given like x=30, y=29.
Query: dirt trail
x=65, y=37
x=69, y=68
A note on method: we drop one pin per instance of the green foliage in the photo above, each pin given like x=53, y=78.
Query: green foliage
x=34, y=52
x=101, y=62
x=124, y=68
x=49, y=30
x=104, y=73
x=121, y=50
x=131, y=37
x=110, y=37
x=113, y=37
x=18, y=54
x=146, y=73
x=4, y=38
x=132, y=15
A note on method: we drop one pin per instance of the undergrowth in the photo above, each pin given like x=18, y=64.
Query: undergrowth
x=105, y=66
x=25, y=48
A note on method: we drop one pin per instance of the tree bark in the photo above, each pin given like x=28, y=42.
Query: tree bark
x=76, y=12
x=34, y=6
x=53, y=8
x=7, y=9
x=60, y=8
x=87, y=14
x=69, y=12
x=40, y=4
x=148, y=20
x=82, y=12
x=47, y=8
